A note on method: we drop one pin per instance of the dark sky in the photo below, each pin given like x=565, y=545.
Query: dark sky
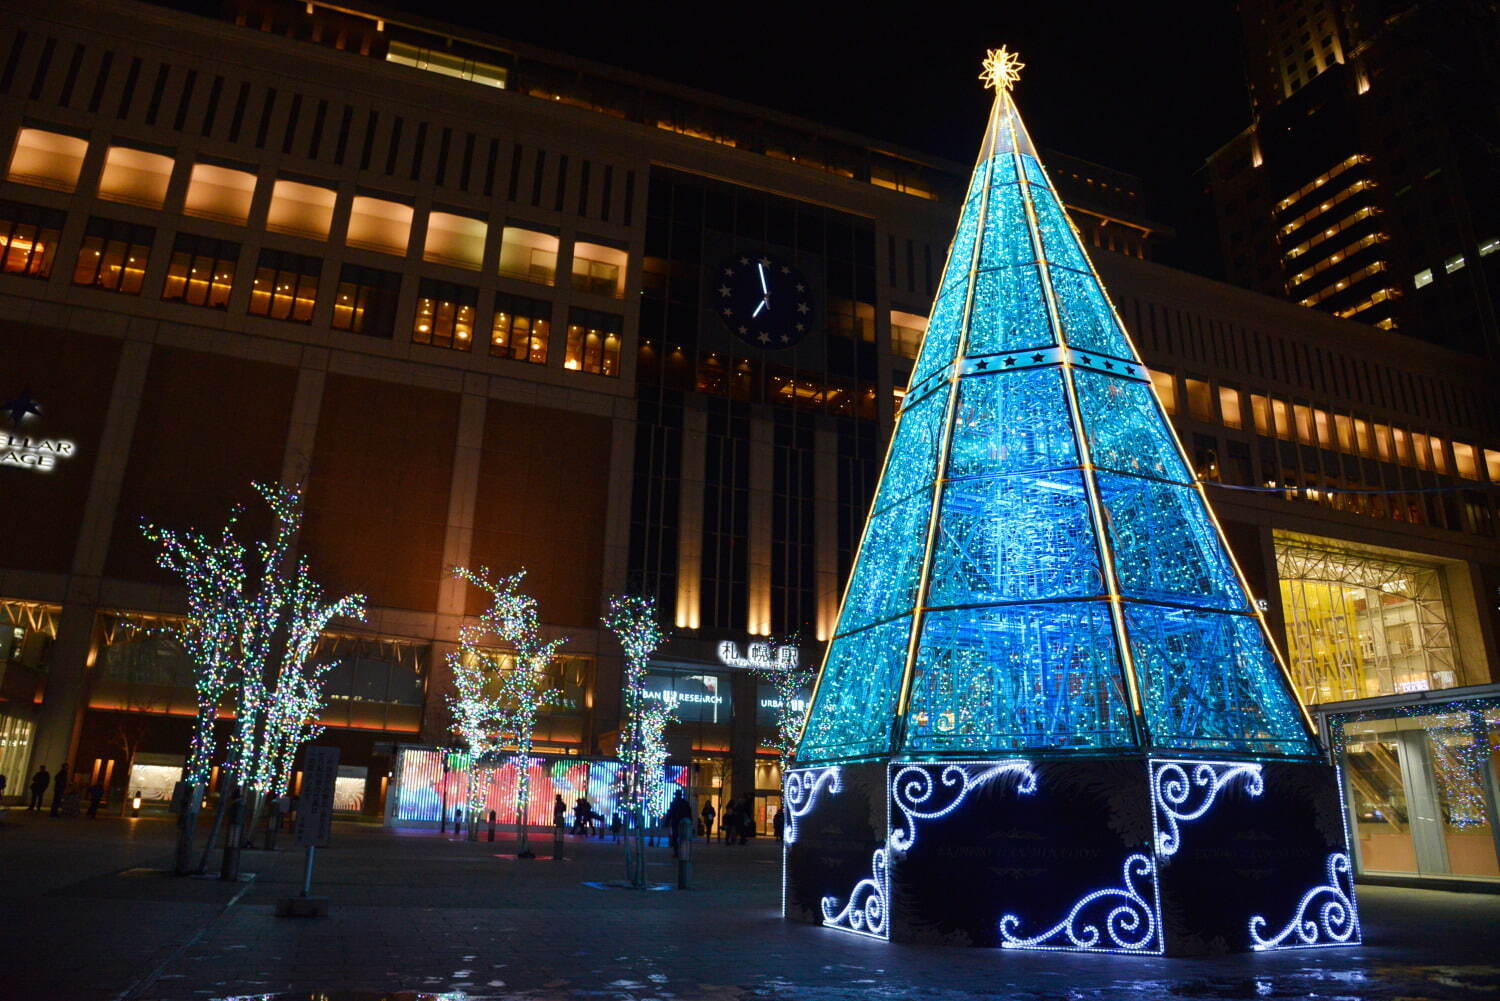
x=1147, y=88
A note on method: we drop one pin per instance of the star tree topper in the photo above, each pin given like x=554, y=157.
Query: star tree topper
x=1002, y=69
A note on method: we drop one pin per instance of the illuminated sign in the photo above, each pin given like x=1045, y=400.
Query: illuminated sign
x=762, y=656
x=40, y=455
x=694, y=697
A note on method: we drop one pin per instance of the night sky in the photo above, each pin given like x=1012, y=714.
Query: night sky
x=1152, y=89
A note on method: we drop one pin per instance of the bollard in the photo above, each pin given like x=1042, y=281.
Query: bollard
x=492, y=825
x=557, y=842
x=684, y=852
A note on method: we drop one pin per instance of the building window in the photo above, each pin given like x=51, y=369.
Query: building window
x=528, y=254
x=599, y=269
x=1453, y=263
x=47, y=159
x=445, y=315
x=593, y=342
x=28, y=239
x=379, y=224
x=907, y=331
x=220, y=193
x=446, y=63
x=455, y=240
x=201, y=271
x=1199, y=400
x=135, y=177
x=114, y=255
x=285, y=286
x=366, y=301
x=521, y=329
x=1166, y=390
x=301, y=210
x=1362, y=624
x=1229, y=407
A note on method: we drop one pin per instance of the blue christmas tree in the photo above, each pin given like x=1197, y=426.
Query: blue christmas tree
x=1041, y=571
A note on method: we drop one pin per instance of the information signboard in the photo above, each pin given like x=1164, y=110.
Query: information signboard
x=320, y=770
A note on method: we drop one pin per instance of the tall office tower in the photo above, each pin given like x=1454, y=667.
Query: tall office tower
x=1365, y=184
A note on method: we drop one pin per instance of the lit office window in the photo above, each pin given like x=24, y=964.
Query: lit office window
x=593, y=342
x=201, y=271
x=599, y=269
x=446, y=63
x=1488, y=247
x=1260, y=409
x=379, y=224
x=528, y=254
x=1492, y=464
x=301, y=209
x=1465, y=461
x=47, y=159
x=135, y=177
x=1166, y=390
x=1453, y=263
x=28, y=239
x=1422, y=278
x=221, y=193
x=521, y=329
x=907, y=331
x=285, y=286
x=366, y=301
x=114, y=255
x=1229, y=407
x=445, y=315
x=455, y=240
x=1199, y=400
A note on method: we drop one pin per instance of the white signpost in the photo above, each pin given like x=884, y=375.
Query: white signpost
x=320, y=767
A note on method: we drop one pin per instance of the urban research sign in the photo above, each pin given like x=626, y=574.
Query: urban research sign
x=25, y=451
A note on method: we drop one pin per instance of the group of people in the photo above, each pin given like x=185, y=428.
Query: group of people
x=736, y=823
x=62, y=785
x=586, y=820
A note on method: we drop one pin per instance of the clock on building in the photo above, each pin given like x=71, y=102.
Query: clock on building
x=764, y=301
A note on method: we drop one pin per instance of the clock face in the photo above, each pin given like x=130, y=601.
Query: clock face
x=763, y=300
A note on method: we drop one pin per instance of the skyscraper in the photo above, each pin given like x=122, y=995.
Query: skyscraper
x=1365, y=183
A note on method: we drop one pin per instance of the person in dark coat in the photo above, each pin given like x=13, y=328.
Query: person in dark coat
x=59, y=786
x=559, y=811
x=39, y=783
x=779, y=822
x=708, y=815
x=677, y=812
x=96, y=796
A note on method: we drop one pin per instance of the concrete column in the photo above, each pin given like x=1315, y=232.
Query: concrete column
x=762, y=473
x=826, y=529
x=742, y=735
x=307, y=404
x=617, y=511
x=463, y=496
x=690, y=519
x=64, y=698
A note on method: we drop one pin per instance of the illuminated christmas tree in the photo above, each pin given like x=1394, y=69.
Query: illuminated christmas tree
x=789, y=679
x=643, y=724
x=1042, y=596
x=499, y=695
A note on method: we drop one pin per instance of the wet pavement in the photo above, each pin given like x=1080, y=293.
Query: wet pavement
x=91, y=916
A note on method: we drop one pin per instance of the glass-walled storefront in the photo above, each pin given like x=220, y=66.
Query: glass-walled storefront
x=1420, y=778
x=1361, y=624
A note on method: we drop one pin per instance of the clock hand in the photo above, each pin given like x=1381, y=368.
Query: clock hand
x=762, y=269
x=763, y=304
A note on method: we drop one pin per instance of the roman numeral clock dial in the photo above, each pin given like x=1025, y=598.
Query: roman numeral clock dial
x=763, y=300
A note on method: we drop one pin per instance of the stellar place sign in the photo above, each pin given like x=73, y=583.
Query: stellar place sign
x=40, y=455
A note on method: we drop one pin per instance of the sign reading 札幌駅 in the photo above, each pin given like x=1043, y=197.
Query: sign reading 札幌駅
x=25, y=451
x=763, y=656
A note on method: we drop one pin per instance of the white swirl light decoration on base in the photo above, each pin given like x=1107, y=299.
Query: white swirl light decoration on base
x=1171, y=789
x=800, y=794
x=913, y=786
x=1332, y=921
x=868, y=907
x=1131, y=923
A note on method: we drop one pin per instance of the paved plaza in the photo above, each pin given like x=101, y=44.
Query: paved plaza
x=90, y=915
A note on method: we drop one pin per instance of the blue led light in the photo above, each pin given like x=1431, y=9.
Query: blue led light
x=800, y=794
x=1173, y=788
x=868, y=906
x=912, y=789
x=1325, y=915
x=1130, y=921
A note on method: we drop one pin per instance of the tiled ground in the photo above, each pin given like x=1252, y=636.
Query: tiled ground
x=85, y=917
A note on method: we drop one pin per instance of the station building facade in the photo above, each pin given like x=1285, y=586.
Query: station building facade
x=471, y=296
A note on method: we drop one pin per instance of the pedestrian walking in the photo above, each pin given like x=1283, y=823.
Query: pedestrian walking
x=96, y=796
x=617, y=826
x=779, y=823
x=39, y=783
x=708, y=813
x=581, y=811
x=59, y=788
x=559, y=811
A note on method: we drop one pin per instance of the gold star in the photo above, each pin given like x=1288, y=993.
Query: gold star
x=1001, y=69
